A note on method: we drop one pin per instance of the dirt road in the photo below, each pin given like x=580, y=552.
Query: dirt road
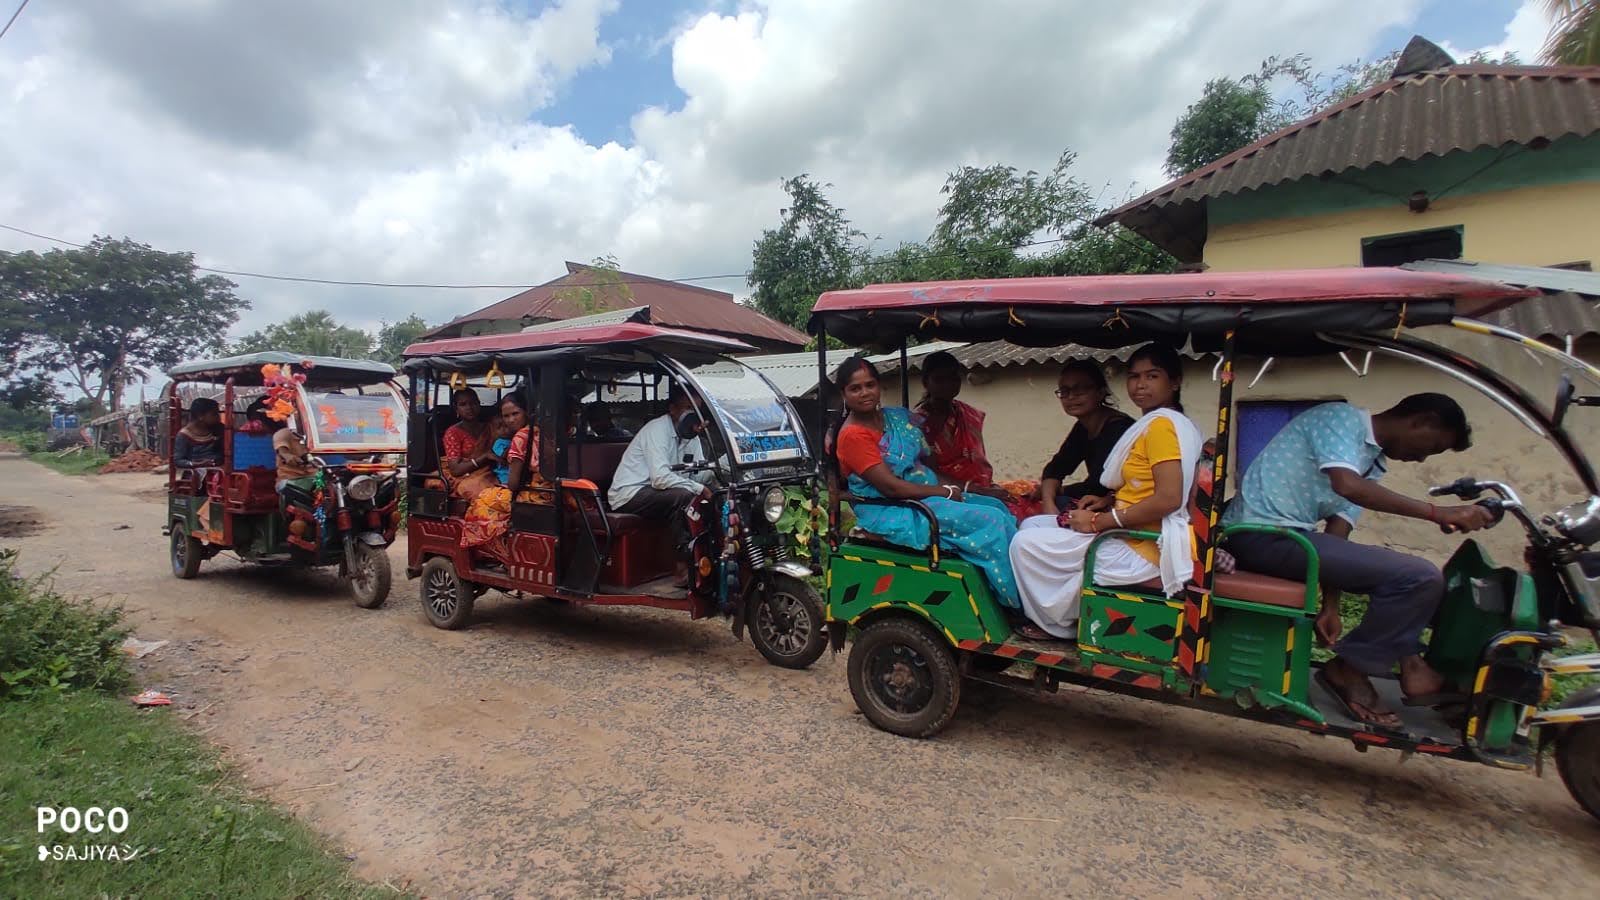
x=554, y=751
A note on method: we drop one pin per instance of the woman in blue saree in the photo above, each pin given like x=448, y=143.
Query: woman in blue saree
x=880, y=455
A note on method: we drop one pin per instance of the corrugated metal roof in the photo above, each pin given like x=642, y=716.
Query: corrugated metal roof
x=673, y=304
x=795, y=374
x=1457, y=108
x=613, y=317
x=1551, y=319
x=1546, y=278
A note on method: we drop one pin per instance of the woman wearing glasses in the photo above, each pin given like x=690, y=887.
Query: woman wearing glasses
x=1086, y=397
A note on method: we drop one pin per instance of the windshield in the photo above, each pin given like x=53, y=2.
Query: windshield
x=357, y=418
x=756, y=419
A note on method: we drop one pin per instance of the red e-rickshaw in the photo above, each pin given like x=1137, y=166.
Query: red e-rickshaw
x=572, y=547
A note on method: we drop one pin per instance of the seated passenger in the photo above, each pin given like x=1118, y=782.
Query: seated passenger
x=1324, y=467
x=601, y=428
x=501, y=448
x=645, y=484
x=256, y=420
x=1152, y=471
x=880, y=455
x=1086, y=397
x=954, y=432
x=293, y=459
x=489, y=517
x=466, y=461
x=199, y=443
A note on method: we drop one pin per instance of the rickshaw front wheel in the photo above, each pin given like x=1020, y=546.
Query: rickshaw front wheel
x=904, y=677
x=786, y=622
x=1578, y=754
x=187, y=553
x=446, y=599
x=370, y=581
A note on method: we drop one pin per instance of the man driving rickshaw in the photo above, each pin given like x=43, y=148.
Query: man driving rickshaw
x=921, y=621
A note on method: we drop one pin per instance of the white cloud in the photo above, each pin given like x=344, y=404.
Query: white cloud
x=1525, y=33
x=402, y=140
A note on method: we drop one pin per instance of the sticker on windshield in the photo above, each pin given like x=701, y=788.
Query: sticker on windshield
x=766, y=446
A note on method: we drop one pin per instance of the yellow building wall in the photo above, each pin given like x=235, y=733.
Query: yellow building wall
x=1537, y=226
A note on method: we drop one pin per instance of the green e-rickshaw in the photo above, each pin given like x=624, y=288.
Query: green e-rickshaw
x=1237, y=643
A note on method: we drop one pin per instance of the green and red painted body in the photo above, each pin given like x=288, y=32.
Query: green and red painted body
x=1233, y=643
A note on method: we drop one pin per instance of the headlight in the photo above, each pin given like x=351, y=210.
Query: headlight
x=772, y=504
x=362, y=487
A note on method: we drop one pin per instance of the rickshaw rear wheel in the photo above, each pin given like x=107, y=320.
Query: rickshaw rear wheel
x=904, y=677
x=1578, y=754
x=370, y=582
x=187, y=553
x=786, y=622
x=446, y=599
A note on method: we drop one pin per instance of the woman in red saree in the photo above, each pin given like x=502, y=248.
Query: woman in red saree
x=954, y=432
x=467, y=462
x=488, y=519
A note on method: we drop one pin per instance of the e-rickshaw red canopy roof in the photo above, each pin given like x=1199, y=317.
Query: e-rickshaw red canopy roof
x=1278, y=311
x=454, y=354
x=320, y=371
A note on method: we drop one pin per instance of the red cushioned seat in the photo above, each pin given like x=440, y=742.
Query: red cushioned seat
x=1248, y=586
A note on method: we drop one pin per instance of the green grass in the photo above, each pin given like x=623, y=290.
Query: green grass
x=196, y=832
x=83, y=462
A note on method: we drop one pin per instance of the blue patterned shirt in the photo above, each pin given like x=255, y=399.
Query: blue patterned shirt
x=1288, y=484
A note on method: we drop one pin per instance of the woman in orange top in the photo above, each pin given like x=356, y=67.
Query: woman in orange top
x=1151, y=471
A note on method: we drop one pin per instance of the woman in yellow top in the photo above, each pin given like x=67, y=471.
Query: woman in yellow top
x=1151, y=470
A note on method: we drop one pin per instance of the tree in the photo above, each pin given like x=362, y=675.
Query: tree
x=314, y=333
x=993, y=217
x=1234, y=113
x=1574, y=33
x=395, y=337
x=1228, y=115
x=813, y=249
x=106, y=313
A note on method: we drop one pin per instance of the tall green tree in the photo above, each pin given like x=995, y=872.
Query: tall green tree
x=813, y=249
x=395, y=337
x=1574, y=33
x=314, y=333
x=1233, y=113
x=106, y=313
x=997, y=222
x=1229, y=114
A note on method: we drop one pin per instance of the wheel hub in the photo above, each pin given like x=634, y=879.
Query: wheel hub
x=442, y=594
x=902, y=678
x=783, y=624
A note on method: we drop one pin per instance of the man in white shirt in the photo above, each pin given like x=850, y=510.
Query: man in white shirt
x=645, y=484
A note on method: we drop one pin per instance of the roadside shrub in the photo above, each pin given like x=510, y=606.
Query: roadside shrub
x=28, y=441
x=50, y=643
x=805, y=523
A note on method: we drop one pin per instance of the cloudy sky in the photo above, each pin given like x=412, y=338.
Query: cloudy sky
x=452, y=141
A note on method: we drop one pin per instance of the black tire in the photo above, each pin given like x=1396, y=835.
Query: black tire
x=187, y=553
x=369, y=584
x=785, y=622
x=1578, y=754
x=904, y=677
x=446, y=599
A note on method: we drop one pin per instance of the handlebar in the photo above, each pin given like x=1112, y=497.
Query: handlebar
x=1504, y=501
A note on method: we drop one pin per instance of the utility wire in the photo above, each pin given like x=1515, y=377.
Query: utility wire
x=13, y=18
x=306, y=279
